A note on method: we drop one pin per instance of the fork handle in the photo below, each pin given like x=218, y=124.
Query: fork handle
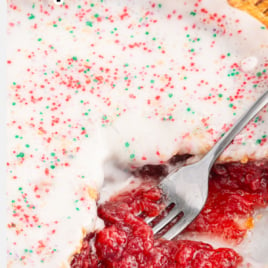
x=215, y=152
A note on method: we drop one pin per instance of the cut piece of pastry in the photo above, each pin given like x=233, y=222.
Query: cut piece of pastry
x=124, y=81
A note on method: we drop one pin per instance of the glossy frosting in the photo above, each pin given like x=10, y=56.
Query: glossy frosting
x=128, y=82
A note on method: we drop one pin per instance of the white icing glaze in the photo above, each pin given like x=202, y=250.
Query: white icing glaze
x=170, y=106
x=249, y=64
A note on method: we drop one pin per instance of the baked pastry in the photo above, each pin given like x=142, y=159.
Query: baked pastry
x=258, y=9
x=129, y=83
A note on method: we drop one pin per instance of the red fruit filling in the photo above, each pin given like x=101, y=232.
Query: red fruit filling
x=235, y=190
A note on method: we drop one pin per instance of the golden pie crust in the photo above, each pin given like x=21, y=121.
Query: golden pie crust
x=256, y=8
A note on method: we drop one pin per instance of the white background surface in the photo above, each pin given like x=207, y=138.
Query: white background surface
x=3, y=97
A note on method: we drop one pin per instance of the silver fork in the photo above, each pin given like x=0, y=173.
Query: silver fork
x=187, y=188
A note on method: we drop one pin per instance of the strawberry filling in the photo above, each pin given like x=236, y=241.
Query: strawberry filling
x=235, y=191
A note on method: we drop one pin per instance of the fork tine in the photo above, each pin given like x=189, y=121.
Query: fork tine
x=148, y=220
x=170, y=216
x=180, y=225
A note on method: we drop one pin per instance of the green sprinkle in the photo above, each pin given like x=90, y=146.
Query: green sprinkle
x=220, y=95
x=31, y=17
x=55, y=25
x=228, y=54
x=152, y=81
x=52, y=166
x=127, y=144
x=20, y=188
x=146, y=33
x=13, y=103
x=258, y=74
x=170, y=95
x=27, y=145
x=89, y=23
x=192, y=13
x=92, y=5
x=132, y=156
x=21, y=154
x=74, y=58
x=258, y=141
x=77, y=209
x=52, y=154
x=188, y=109
x=231, y=105
x=159, y=5
x=96, y=15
